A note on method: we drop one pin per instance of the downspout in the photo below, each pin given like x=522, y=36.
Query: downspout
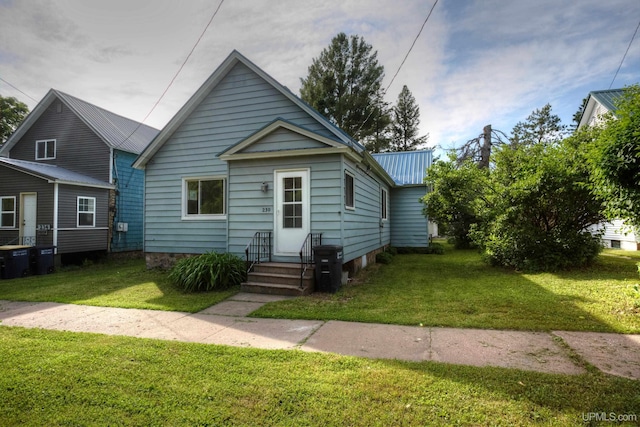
x=55, y=216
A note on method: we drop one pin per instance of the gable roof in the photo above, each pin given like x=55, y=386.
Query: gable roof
x=53, y=173
x=235, y=152
x=116, y=131
x=218, y=75
x=405, y=167
x=606, y=98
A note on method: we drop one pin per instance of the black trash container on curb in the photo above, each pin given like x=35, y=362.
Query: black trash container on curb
x=43, y=258
x=16, y=261
x=328, y=260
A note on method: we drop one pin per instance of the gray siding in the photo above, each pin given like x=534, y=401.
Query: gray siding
x=78, y=148
x=251, y=210
x=12, y=183
x=362, y=230
x=71, y=238
x=241, y=104
x=409, y=225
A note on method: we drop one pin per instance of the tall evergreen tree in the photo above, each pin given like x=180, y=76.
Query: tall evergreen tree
x=344, y=84
x=541, y=127
x=406, y=118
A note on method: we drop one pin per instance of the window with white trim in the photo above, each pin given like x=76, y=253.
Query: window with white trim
x=383, y=205
x=204, y=197
x=86, y=211
x=7, y=212
x=349, y=190
x=46, y=149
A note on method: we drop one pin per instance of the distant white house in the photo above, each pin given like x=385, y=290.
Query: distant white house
x=615, y=233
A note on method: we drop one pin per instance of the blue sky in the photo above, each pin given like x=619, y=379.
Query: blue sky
x=475, y=63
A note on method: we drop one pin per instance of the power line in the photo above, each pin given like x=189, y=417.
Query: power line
x=176, y=75
x=24, y=93
x=412, y=45
x=625, y=54
x=384, y=92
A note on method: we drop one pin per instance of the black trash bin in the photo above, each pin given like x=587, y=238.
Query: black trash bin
x=43, y=259
x=328, y=260
x=16, y=261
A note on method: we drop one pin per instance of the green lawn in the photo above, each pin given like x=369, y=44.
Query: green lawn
x=58, y=378
x=126, y=284
x=458, y=290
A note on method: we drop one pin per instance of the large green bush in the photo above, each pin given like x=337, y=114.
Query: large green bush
x=209, y=271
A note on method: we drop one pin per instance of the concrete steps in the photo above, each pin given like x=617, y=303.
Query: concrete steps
x=275, y=278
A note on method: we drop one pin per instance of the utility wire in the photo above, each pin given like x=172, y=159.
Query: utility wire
x=625, y=55
x=176, y=75
x=384, y=92
x=24, y=93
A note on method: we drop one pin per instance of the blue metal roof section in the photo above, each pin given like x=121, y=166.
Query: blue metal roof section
x=117, y=131
x=405, y=167
x=607, y=98
x=53, y=173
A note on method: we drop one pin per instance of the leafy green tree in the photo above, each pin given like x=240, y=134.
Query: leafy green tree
x=406, y=119
x=541, y=207
x=541, y=127
x=615, y=159
x=344, y=84
x=456, y=197
x=12, y=112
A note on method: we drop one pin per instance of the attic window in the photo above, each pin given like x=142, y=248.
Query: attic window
x=46, y=149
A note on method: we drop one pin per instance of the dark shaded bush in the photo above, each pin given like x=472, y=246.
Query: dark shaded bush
x=207, y=272
x=384, y=258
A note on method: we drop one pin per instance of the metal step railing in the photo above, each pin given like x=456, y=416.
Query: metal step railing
x=306, y=253
x=258, y=249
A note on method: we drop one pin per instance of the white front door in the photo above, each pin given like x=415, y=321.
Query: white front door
x=28, y=216
x=292, y=217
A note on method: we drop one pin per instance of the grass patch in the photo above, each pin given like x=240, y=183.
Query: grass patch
x=126, y=284
x=59, y=378
x=457, y=289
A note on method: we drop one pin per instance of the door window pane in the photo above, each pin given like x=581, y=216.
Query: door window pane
x=292, y=204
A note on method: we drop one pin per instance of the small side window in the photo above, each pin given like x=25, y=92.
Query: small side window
x=349, y=191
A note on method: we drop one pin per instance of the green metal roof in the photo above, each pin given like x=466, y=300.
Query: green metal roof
x=607, y=97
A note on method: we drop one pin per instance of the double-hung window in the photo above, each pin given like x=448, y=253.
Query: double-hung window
x=204, y=198
x=7, y=212
x=86, y=211
x=46, y=149
x=349, y=191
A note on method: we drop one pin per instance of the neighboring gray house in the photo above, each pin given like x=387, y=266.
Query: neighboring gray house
x=245, y=155
x=614, y=234
x=66, y=178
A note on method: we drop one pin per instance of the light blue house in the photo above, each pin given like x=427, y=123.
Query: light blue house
x=247, y=167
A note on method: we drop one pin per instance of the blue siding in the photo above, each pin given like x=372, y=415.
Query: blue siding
x=251, y=210
x=238, y=106
x=363, y=228
x=129, y=203
x=408, y=224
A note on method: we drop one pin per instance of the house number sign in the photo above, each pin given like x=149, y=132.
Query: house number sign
x=266, y=210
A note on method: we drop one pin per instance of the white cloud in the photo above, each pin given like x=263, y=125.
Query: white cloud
x=475, y=63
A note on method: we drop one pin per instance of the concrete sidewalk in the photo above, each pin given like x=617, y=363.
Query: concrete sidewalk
x=225, y=323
